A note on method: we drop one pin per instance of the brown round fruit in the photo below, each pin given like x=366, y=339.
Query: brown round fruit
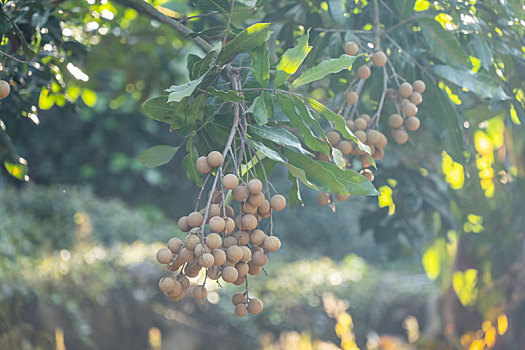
x=229, y=274
x=200, y=292
x=243, y=237
x=164, y=255
x=415, y=98
x=183, y=224
x=257, y=237
x=419, y=86
x=230, y=181
x=351, y=97
x=333, y=137
x=405, y=90
x=391, y=94
x=191, y=241
x=206, y=260
x=255, y=186
x=234, y=254
x=213, y=241
x=248, y=222
x=202, y=165
x=214, y=272
x=259, y=258
x=229, y=211
x=256, y=199
x=413, y=123
x=219, y=257
x=323, y=198
x=241, y=310
x=242, y=269
x=217, y=224
x=363, y=72
x=383, y=141
x=410, y=109
x=186, y=255
x=395, y=121
x=350, y=125
x=214, y=159
x=239, y=298
x=246, y=253
x=167, y=284
x=174, y=245
x=361, y=135
x=195, y=219
x=360, y=124
x=351, y=48
x=264, y=208
x=379, y=59
x=229, y=241
x=400, y=136
x=379, y=153
x=272, y=243
x=345, y=147
x=253, y=269
x=373, y=137
x=185, y=282
x=230, y=225
x=278, y=202
x=240, y=193
x=255, y=306
x=342, y=197
x=5, y=89
x=365, y=160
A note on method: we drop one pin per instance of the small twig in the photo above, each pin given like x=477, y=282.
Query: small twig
x=377, y=27
x=12, y=57
x=201, y=191
x=228, y=24
x=377, y=115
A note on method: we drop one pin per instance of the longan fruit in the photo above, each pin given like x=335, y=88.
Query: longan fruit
x=264, y=208
x=214, y=159
x=202, y=165
x=363, y=72
x=419, y=86
x=229, y=241
x=164, y=255
x=239, y=298
x=272, y=243
x=361, y=135
x=185, y=282
x=242, y=269
x=350, y=125
x=191, y=241
x=333, y=137
x=230, y=181
x=257, y=237
x=379, y=59
x=216, y=197
x=217, y=224
x=230, y=225
x=241, y=310
x=259, y=258
x=379, y=153
x=243, y=237
x=373, y=137
x=166, y=284
x=183, y=224
x=255, y=306
x=213, y=273
x=410, y=109
x=351, y=48
x=213, y=241
x=5, y=89
x=323, y=198
x=413, y=123
x=342, y=197
x=186, y=255
x=278, y=202
x=391, y=94
x=415, y=98
x=195, y=231
x=368, y=174
x=219, y=256
x=360, y=123
x=229, y=211
x=215, y=210
x=206, y=260
x=351, y=97
x=234, y=253
x=178, y=297
x=200, y=292
x=323, y=157
x=366, y=117
x=383, y=141
x=345, y=147
x=400, y=136
x=248, y=222
x=405, y=90
x=176, y=291
x=199, y=249
x=240, y=193
x=174, y=245
x=395, y=121
x=255, y=186
x=246, y=254
x=239, y=280
x=195, y=219
x=365, y=160
x=229, y=274
x=256, y=199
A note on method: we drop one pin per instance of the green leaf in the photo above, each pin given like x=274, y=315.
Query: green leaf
x=279, y=136
x=17, y=170
x=196, y=109
x=245, y=41
x=261, y=65
x=157, y=155
x=481, y=112
x=178, y=92
x=479, y=83
x=323, y=69
x=404, y=7
x=443, y=43
x=441, y=108
x=222, y=6
x=291, y=60
x=263, y=108
x=157, y=108
x=356, y=184
x=337, y=156
x=189, y=164
x=226, y=95
x=294, y=199
x=339, y=123
x=337, y=10
x=483, y=52
x=201, y=66
x=298, y=121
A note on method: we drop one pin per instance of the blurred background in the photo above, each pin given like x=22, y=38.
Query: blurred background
x=436, y=262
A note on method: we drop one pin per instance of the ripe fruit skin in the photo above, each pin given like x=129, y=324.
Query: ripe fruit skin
x=400, y=136
x=217, y=224
x=361, y=135
x=214, y=273
x=167, y=284
x=259, y=259
x=415, y=98
x=242, y=268
x=239, y=298
x=174, y=245
x=213, y=241
x=202, y=165
x=243, y=237
x=264, y=208
x=419, y=86
x=183, y=224
x=241, y=310
x=219, y=257
x=278, y=202
x=214, y=158
x=186, y=254
x=255, y=186
x=164, y=255
x=391, y=94
x=333, y=137
x=230, y=225
x=351, y=97
x=240, y=193
x=229, y=274
x=5, y=89
x=368, y=174
x=379, y=153
x=383, y=141
x=195, y=219
x=234, y=254
x=215, y=210
x=345, y=147
x=229, y=211
x=230, y=181
x=351, y=48
x=323, y=198
x=206, y=260
x=379, y=59
x=253, y=269
x=185, y=282
x=240, y=280
x=257, y=237
x=256, y=199
x=413, y=123
x=405, y=90
x=200, y=292
x=272, y=244
x=360, y=123
x=410, y=109
x=395, y=121
x=342, y=197
x=365, y=160
x=229, y=241
x=255, y=306
x=248, y=222
x=363, y=72
x=373, y=137
x=192, y=270
x=191, y=241
x=350, y=125
x=246, y=254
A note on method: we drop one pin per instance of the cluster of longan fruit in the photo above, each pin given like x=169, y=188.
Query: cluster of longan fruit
x=407, y=97
x=227, y=243
x=5, y=89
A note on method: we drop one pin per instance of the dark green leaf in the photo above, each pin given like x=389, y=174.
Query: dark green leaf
x=483, y=52
x=201, y=66
x=178, y=92
x=337, y=10
x=263, y=108
x=247, y=40
x=355, y=183
x=405, y=8
x=294, y=199
x=157, y=108
x=222, y=6
x=189, y=164
x=157, y=155
x=261, y=65
x=279, y=136
x=226, y=95
x=291, y=60
x=323, y=69
x=481, y=112
x=196, y=109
